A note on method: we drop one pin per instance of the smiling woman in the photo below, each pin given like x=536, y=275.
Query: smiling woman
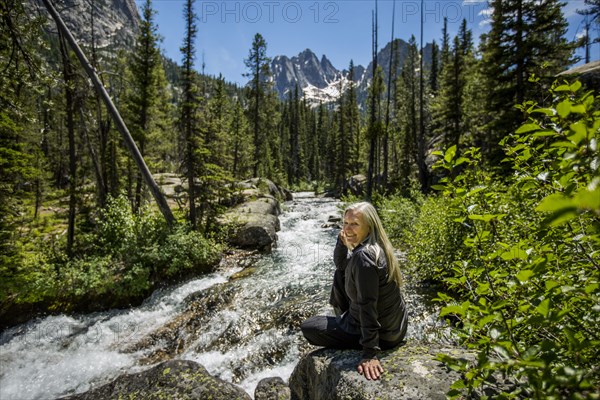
x=371, y=312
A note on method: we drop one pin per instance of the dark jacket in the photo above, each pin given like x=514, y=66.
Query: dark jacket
x=372, y=307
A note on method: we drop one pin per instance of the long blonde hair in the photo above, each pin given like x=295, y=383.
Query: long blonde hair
x=378, y=238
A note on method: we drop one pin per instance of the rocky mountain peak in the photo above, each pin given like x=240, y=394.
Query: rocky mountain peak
x=304, y=70
x=115, y=22
x=321, y=81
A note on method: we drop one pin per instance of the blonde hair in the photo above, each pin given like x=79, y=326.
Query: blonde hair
x=378, y=239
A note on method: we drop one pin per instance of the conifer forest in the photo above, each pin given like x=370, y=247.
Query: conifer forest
x=484, y=165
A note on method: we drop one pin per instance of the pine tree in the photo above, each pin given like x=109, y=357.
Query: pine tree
x=353, y=123
x=144, y=91
x=407, y=113
x=70, y=109
x=240, y=142
x=434, y=70
x=189, y=109
x=213, y=176
x=448, y=107
x=21, y=84
x=526, y=40
x=342, y=143
x=257, y=92
x=592, y=14
x=294, y=131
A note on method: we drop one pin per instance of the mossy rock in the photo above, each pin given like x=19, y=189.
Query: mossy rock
x=172, y=380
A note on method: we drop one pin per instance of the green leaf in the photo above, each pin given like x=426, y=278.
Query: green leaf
x=579, y=132
x=589, y=289
x=483, y=288
x=544, y=307
x=564, y=108
x=545, y=132
x=452, y=309
x=515, y=252
x=588, y=200
x=458, y=385
x=450, y=153
x=578, y=109
x=166, y=371
x=547, y=111
x=555, y=202
x=562, y=88
x=575, y=86
x=438, y=187
x=524, y=275
x=560, y=217
x=528, y=128
x=550, y=284
x=564, y=143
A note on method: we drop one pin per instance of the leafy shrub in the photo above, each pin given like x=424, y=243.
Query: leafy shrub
x=436, y=240
x=399, y=216
x=184, y=251
x=528, y=278
x=123, y=258
x=121, y=233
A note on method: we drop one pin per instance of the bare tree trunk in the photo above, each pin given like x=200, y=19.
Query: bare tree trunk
x=422, y=167
x=101, y=186
x=391, y=71
x=70, y=110
x=373, y=132
x=158, y=196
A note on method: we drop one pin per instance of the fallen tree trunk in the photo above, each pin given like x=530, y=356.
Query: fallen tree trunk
x=101, y=90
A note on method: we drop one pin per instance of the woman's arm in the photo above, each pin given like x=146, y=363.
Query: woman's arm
x=367, y=296
x=340, y=253
x=338, y=297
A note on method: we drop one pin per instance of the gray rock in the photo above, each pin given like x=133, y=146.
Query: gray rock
x=356, y=184
x=253, y=224
x=258, y=232
x=264, y=205
x=272, y=389
x=411, y=372
x=177, y=379
x=268, y=186
x=116, y=22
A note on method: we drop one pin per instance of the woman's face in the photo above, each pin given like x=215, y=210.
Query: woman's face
x=355, y=227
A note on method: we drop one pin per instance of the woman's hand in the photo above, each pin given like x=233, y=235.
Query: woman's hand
x=344, y=241
x=370, y=368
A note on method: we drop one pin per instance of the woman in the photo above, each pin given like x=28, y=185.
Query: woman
x=371, y=313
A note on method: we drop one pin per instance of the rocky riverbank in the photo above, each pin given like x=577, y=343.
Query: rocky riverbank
x=412, y=371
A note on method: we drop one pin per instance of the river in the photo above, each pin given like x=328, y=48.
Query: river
x=246, y=329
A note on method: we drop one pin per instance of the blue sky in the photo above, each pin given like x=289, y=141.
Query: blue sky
x=340, y=29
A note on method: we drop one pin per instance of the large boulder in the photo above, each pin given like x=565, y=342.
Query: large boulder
x=176, y=379
x=253, y=223
x=411, y=372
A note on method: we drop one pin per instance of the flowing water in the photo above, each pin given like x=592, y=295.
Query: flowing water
x=241, y=330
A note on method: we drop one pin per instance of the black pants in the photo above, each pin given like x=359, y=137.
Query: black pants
x=326, y=332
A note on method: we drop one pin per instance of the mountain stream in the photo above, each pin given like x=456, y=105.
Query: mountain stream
x=241, y=330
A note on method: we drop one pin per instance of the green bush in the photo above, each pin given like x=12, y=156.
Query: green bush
x=399, y=216
x=527, y=279
x=435, y=240
x=123, y=258
x=183, y=251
